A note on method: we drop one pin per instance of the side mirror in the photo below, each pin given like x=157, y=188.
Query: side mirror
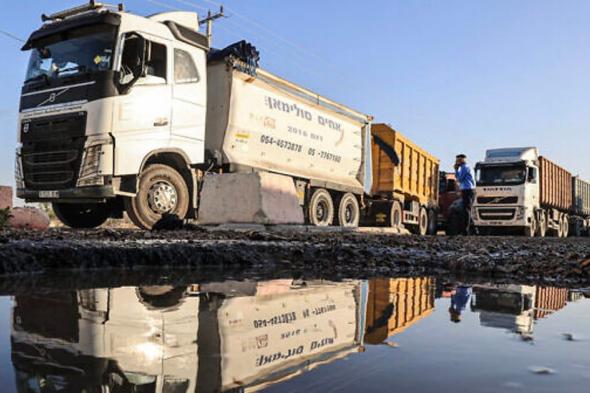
x=132, y=62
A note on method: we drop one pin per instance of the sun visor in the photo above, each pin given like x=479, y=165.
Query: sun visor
x=49, y=29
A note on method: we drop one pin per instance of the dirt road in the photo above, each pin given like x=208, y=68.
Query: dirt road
x=323, y=253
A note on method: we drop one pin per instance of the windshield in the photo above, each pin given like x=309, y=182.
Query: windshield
x=501, y=175
x=81, y=50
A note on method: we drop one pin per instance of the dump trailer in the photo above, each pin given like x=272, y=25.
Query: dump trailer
x=124, y=113
x=405, y=183
x=519, y=190
x=581, y=207
x=393, y=305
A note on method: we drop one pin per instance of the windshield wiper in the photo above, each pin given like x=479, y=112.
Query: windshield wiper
x=80, y=68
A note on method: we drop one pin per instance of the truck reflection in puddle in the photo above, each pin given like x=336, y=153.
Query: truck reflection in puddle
x=227, y=335
x=516, y=307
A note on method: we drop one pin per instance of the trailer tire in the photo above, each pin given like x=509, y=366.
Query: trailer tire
x=422, y=227
x=395, y=215
x=432, y=222
x=81, y=216
x=565, y=225
x=320, y=211
x=161, y=192
x=349, y=211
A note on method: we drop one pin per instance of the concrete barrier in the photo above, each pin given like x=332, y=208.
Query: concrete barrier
x=249, y=198
x=29, y=218
x=5, y=197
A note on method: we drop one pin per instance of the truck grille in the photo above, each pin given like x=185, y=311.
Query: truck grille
x=497, y=200
x=51, y=152
x=496, y=214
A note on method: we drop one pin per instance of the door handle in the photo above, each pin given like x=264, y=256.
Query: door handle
x=161, y=122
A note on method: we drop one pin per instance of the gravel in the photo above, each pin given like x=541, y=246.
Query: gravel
x=299, y=250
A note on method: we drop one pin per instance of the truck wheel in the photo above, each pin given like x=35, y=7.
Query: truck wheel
x=565, y=226
x=542, y=226
x=395, y=216
x=321, y=208
x=432, y=222
x=81, y=216
x=349, y=211
x=422, y=228
x=532, y=229
x=161, y=191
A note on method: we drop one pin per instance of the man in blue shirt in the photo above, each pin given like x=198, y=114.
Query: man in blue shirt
x=466, y=180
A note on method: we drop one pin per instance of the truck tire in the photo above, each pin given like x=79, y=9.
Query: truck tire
x=81, y=216
x=542, y=226
x=161, y=192
x=532, y=229
x=321, y=208
x=396, y=215
x=565, y=225
x=432, y=222
x=349, y=211
x=422, y=228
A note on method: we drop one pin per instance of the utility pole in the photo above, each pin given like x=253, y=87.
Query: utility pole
x=209, y=21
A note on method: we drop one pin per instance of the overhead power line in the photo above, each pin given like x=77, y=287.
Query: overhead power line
x=10, y=35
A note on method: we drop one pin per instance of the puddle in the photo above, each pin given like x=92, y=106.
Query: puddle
x=386, y=334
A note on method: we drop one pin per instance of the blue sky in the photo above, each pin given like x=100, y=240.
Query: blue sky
x=455, y=76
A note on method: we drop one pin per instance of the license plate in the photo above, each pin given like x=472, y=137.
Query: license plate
x=48, y=194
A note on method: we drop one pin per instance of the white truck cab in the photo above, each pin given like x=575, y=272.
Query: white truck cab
x=107, y=93
x=508, y=192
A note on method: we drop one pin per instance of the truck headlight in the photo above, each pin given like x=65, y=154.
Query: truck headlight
x=18, y=170
x=90, y=168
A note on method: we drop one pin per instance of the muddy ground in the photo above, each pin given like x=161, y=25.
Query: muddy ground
x=269, y=252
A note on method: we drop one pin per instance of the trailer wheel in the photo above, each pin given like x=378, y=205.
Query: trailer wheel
x=349, y=211
x=321, y=208
x=161, y=192
x=395, y=215
x=565, y=226
x=82, y=216
x=542, y=226
x=432, y=222
x=422, y=228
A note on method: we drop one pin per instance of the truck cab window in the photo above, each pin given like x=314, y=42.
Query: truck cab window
x=156, y=62
x=185, y=70
x=131, y=59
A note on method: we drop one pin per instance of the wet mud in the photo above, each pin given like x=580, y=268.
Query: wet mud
x=267, y=251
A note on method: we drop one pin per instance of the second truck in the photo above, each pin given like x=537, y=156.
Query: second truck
x=519, y=190
x=124, y=113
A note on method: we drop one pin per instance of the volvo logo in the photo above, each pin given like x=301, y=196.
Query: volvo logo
x=52, y=97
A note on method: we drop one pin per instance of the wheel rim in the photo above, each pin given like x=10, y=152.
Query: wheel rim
x=321, y=211
x=349, y=213
x=423, y=224
x=162, y=197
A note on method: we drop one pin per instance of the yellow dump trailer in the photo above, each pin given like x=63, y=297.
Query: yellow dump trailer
x=405, y=182
x=393, y=305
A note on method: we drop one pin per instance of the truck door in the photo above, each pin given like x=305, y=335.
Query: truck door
x=141, y=120
x=189, y=99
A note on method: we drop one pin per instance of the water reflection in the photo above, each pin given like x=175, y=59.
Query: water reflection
x=236, y=334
